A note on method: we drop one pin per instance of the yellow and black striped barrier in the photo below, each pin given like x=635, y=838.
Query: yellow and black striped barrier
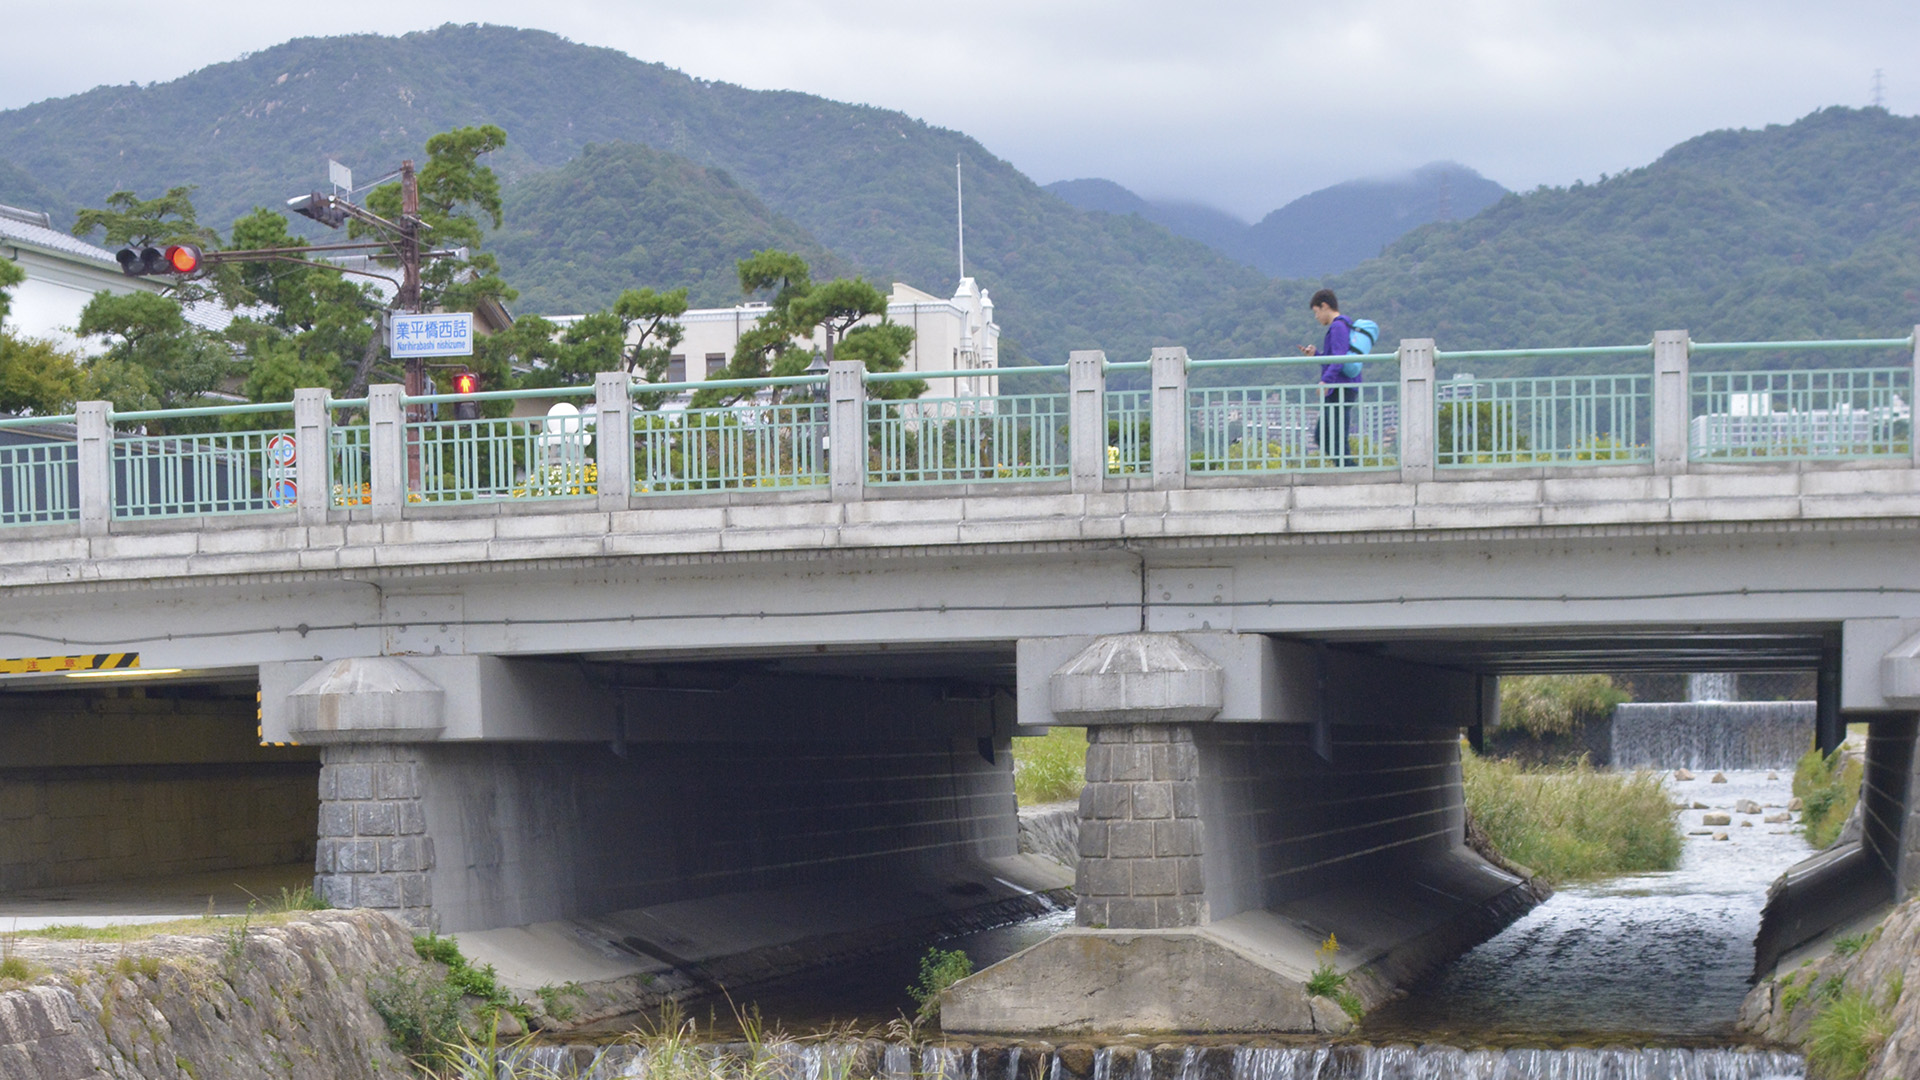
x=111, y=661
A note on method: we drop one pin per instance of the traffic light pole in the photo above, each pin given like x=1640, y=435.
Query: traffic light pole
x=408, y=248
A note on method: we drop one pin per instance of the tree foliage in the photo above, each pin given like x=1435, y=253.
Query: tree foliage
x=458, y=195
x=36, y=377
x=155, y=358
x=10, y=275
x=780, y=343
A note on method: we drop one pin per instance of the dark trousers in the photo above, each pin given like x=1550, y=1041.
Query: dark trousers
x=1336, y=416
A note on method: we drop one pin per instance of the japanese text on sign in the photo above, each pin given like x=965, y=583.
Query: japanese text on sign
x=448, y=334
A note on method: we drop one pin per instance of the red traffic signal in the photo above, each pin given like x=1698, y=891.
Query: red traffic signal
x=183, y=259
x=466, y=382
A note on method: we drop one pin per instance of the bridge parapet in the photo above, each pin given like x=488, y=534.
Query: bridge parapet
x=1262, y=421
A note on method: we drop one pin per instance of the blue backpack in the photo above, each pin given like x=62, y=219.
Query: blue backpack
x=1361, y=334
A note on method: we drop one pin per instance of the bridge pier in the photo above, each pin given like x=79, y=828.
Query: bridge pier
x=1247, y=801
x=658, y=823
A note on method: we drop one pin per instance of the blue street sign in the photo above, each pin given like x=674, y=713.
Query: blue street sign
x=444, y=334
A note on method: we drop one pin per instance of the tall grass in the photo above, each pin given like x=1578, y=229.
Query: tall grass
x=1573, y=824
x=1050, y=767
x=1544, y=705
x=1844, y=1036
x=1827, y=786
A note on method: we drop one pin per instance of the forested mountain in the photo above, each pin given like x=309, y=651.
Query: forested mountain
x=1324, y=232
x=1810, y=229
x=620, y=215
x=1806, y=229
x=872, y=184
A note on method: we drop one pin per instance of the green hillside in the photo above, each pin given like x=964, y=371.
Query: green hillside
x=1810, y=229
x=622, y=214
x=874, y=185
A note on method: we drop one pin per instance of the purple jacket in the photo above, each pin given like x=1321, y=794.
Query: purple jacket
x=1339, y=331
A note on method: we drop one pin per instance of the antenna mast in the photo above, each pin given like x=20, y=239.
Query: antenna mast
x=1879, y=89
x=960, y=218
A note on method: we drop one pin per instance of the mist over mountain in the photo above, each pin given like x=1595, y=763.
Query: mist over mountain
x=1325, y=232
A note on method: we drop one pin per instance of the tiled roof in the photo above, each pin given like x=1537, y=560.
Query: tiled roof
x=15, y=230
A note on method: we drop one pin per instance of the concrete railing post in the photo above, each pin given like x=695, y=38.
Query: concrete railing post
x=847, y=430
x=1087, y=419
x=387, y=439
x=312, y=462
x=93, y=423
x=1672, y=402
x=613, y=439
x=1169, y=419
x=1913, y=398
x=1417, y=449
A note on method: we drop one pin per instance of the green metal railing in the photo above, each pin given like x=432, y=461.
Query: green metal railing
x=39, y=483
x=350, y=465
x=507, y=458
x=212, y=473
x=1292, y=425
x=736, y=448
x=1545, y=420
x=1817, y=414
x=967, y=439
x=1129, y=432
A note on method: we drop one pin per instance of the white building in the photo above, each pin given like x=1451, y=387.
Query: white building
x=63, y=273
x=956, y=334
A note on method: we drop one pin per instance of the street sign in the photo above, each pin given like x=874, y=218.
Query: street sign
x=339, y=175
x=446, y=334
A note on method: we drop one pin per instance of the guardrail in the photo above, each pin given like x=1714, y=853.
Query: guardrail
x=850, y=429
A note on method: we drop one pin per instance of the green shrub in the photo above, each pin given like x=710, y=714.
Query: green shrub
x=1050, y=767
x=1572, y=824
x=939, y=969
x=1849, y=945
x=1545, y=705
x=421, y=1010
x=1844, y=1036
x=1827, y=789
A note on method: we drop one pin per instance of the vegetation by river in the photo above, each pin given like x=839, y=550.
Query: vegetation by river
x=1050, y=767
x=1572, y=824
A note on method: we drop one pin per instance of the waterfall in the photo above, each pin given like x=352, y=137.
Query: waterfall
x=1711, y=734
x=1715, y=686
x=850, y=1060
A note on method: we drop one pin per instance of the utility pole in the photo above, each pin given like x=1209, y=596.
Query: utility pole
x=409, y=252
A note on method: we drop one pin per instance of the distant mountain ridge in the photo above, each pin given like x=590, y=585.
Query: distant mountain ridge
x=873, y=185
x=1326, y=232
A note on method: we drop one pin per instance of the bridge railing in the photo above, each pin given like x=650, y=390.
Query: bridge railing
x=847, y=431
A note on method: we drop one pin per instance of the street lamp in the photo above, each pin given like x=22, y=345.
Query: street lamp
x=817, y=392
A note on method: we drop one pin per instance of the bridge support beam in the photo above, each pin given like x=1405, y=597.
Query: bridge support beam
x=1219, y=849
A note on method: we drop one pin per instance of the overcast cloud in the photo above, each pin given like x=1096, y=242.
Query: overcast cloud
x=1243, y=104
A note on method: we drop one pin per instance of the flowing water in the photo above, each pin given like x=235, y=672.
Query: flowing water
x=1636, y=978
x=1661, y=956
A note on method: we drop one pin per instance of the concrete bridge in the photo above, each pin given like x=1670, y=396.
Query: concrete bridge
x=651, y=692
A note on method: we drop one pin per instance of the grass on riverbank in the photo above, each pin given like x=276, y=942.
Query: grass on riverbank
x=1050, y=767
x=1827, y=787
x=1573, y=824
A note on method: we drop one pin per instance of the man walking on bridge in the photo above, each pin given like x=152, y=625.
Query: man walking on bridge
x=1341, y=389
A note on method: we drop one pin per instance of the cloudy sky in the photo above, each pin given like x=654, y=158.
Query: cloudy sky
x=1243, y=104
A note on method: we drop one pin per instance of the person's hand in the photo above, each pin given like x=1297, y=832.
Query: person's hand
x=1306, y=350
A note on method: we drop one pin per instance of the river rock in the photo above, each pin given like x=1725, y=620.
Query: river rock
x=1746, y=824
x=1075, y=1060
x=1747, y=806
x=1718, y=778
x=1329, y=1018
x=1682, y=774
x=1795, y=804
x=1719, y=836
x=1773, y=776
x=1778, y=819
x=1716, y=819
x=1699, y=805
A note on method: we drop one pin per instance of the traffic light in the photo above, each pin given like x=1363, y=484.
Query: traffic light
x=320, y=208
x=180, y=259
x=466, y=382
